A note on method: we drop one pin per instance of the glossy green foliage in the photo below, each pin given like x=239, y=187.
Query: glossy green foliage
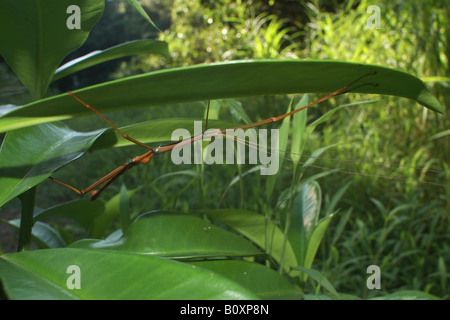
x=41, y=36
x=223, y=80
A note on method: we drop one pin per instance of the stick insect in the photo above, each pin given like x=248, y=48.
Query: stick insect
x=100, y=185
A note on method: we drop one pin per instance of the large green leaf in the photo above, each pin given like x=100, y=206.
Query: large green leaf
x=263, y=281
x=30, y=155
x=223, y=80
x=35, y=37
x=253, y=226
x=176, y=236
x=119, y=51
x=82, y=211
x=43, y=274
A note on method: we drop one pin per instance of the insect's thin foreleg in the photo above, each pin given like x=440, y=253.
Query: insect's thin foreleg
x=108, y=122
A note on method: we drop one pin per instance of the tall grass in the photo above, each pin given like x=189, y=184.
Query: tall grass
x=400, y=225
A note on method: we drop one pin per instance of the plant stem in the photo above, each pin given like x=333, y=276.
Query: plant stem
x=241, y=186
x=288, y=220
x=26, y=219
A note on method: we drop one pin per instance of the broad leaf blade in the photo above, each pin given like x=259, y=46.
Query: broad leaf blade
x=222, y=80
x=41, y=38
x=82, y=211
x=263, y=281
x=30, y=155
x=253, y=226
x=107, y=275
x=176, y=236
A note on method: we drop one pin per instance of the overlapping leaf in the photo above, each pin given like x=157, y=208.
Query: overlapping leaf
x=43, y=274
x=176, y=236
x=35, y=37
x=224, y=80
x=30, y=155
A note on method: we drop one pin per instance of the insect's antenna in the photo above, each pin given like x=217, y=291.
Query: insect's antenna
x=352, y=89
x=359, y=86
x=362, y=77
x=278, y=152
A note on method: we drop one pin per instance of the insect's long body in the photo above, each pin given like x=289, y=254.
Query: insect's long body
x=145, y=158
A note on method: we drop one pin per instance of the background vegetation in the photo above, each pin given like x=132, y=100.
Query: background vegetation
x=400, y=225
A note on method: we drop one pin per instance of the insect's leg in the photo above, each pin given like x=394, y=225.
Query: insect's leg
x=96, y=193
x=108, y=122
x=106, y=178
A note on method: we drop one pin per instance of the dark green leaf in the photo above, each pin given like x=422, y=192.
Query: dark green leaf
x=176, y=236
x=263, y=281
x=30, y=155
x=222, y=80
x=107, y=275
x=253, y=226
x=82, y=211
x=35, y=37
